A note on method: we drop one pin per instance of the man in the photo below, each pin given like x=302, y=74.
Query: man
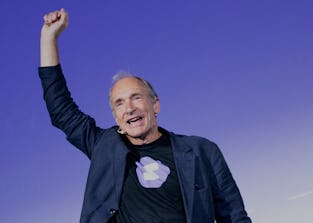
x=139, y=172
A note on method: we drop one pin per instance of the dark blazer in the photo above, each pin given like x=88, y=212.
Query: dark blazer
x=208, y=189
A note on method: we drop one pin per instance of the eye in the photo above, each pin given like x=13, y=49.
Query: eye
x=137, y=97
x=118, y=103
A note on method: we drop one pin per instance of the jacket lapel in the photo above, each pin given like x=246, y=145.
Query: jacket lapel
x=185, y=165
x=120, y=153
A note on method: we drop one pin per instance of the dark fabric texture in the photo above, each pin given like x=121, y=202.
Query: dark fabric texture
x=208, y=189
x=153, y=205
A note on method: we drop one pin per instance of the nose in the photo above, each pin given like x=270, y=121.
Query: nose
x=130, y=108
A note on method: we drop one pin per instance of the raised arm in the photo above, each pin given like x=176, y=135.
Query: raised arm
x=80, y=129
x=54, y=24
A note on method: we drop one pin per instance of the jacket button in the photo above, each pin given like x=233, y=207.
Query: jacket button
x=197, y=187
x=113, y=211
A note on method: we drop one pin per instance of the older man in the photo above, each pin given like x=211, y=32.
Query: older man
x=139, y=172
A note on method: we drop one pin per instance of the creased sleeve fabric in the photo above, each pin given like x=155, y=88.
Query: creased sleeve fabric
x=227, y=198
x=80, y=129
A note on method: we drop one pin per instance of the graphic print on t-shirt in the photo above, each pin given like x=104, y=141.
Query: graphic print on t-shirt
x=151, y=173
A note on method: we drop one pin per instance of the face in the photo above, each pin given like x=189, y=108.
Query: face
x=134, y=110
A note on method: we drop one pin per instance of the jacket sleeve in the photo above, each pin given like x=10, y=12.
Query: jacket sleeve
x=80, y=129
x=229, y=206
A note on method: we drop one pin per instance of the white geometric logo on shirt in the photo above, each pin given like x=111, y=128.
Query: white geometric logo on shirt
x=151, y=173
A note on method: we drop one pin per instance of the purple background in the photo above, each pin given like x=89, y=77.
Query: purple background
x=236, y=72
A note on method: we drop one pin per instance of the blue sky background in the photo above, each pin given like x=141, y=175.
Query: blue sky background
x=236, y=72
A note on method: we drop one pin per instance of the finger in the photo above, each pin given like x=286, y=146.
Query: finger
x=62, y=10
x=48, y=18
x=63, y=17
x=45, y=18
x=59, y=13
x=51, y=17
x=62, y=13
x=54, y=16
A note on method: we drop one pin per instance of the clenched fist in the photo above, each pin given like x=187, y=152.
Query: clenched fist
x=54, y=24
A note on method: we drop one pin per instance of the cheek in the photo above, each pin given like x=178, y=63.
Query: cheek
x=117, y=121
x=151, y=117
x=117, y=117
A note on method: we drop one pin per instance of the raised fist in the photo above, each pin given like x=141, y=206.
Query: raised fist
x=54, y=24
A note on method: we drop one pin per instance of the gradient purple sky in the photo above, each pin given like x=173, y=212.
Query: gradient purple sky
x=237, y=72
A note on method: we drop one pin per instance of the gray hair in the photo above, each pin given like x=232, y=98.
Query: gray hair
x=123, y=74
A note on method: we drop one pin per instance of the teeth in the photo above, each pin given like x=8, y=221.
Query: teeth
x=134, y=120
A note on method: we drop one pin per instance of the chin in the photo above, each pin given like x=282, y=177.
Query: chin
x=135, y=133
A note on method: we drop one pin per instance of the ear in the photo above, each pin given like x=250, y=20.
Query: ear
x=156, y=105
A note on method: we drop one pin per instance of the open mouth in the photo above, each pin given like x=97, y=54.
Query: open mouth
x=135, y=120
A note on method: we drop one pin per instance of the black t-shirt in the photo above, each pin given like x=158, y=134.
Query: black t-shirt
x=151, y=192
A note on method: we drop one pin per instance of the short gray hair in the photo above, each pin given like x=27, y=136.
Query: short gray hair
x=123, y=74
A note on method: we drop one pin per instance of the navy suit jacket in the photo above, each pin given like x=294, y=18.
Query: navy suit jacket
x=208, y=189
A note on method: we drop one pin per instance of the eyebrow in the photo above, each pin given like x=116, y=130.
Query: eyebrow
x=118, y=100
x=136, y=94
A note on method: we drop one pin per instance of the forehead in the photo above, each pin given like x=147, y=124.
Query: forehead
x=126, y=86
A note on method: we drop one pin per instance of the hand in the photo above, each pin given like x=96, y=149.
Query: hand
x=54, y=24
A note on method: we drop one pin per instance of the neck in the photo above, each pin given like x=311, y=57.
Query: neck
x=149, y=138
